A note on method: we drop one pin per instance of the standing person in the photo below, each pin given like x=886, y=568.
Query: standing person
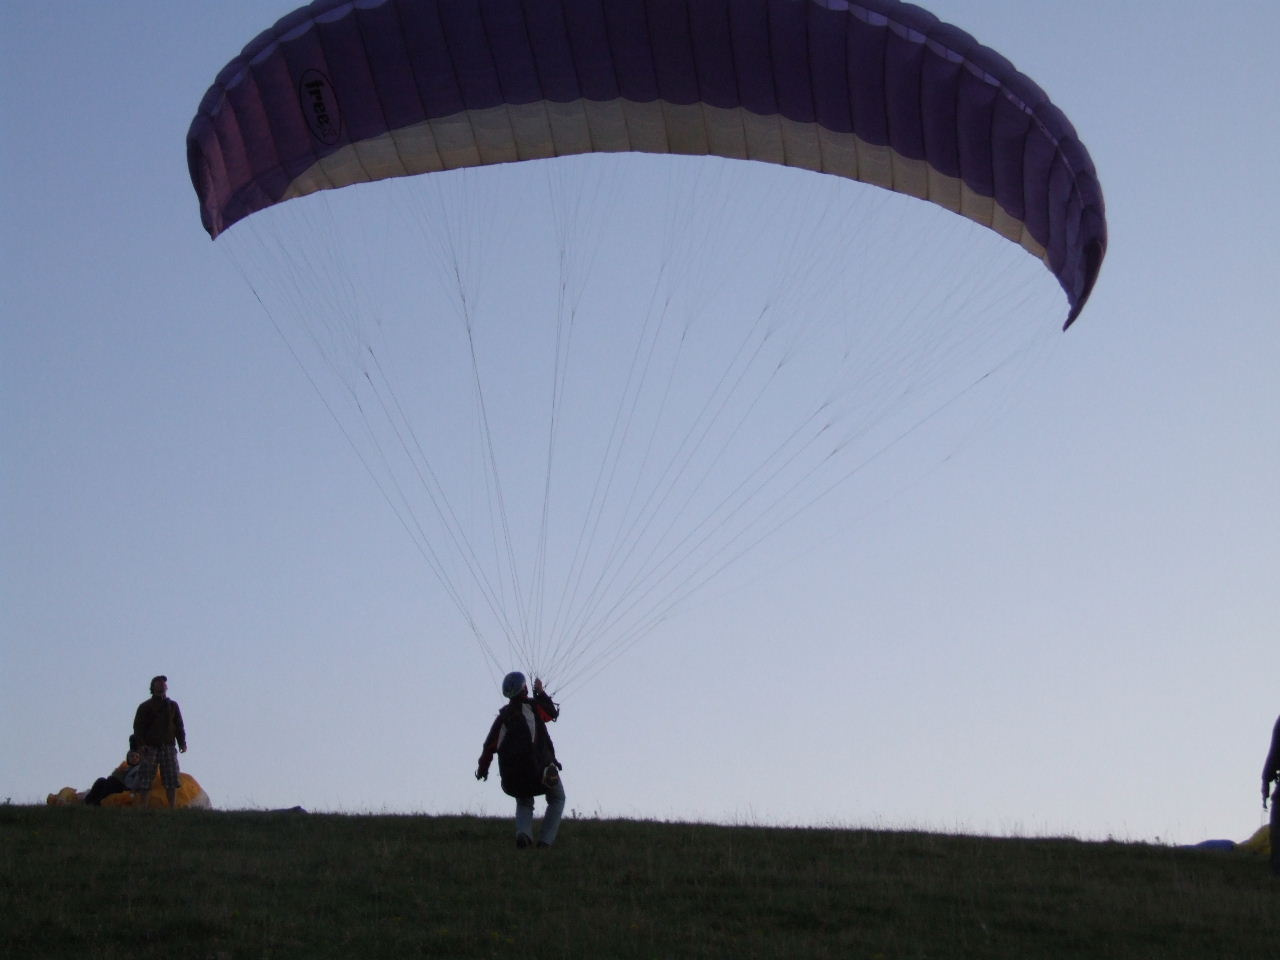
x=1270, y=774
x=526, y=757
x=158, y=725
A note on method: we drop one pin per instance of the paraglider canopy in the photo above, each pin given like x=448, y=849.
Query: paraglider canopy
x=880, y=91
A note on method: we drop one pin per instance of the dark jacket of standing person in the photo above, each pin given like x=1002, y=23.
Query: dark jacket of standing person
x=520, y=738
x=158, y=723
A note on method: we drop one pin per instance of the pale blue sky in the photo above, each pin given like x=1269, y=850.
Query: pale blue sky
x=1067, y=627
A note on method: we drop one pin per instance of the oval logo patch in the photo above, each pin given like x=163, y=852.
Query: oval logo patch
x=320, y=107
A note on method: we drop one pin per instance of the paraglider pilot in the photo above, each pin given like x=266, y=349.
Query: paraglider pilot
x=158, y=725
x=1271, y=774
x=526, y=757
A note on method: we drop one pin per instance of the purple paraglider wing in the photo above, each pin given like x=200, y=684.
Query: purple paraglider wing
x=347, y=91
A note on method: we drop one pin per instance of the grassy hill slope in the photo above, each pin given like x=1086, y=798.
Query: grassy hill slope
x=83, y=882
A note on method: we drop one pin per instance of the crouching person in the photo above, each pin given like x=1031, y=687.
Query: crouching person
x=123, y=778
x=527, y=761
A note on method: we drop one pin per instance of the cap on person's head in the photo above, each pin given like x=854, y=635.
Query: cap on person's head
x=134, y=743
x=512, y=684
x=162, y=678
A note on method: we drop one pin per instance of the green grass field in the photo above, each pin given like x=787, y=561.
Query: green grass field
x=85, y=882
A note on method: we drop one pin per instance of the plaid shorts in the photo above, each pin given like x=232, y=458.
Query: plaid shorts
x=166, y=758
